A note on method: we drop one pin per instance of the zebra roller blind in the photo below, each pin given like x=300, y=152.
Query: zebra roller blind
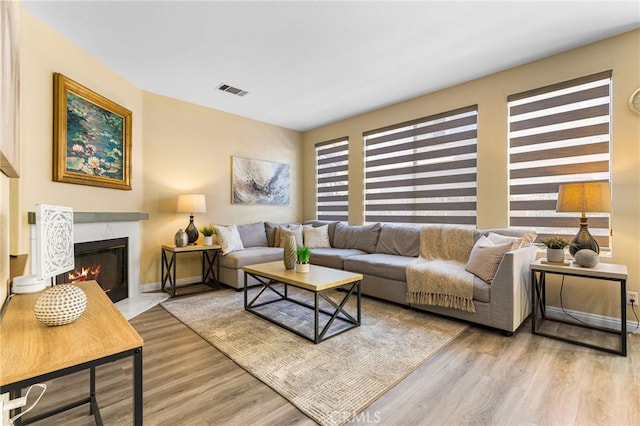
x=332, y=174
x=557, y=134
x=423, y=171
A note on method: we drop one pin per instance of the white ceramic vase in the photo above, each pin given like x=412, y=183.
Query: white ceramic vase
x=555, y=255
x=208, y=240
x=302, y=268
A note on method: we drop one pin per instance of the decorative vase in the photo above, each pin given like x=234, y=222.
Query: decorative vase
x=208, y=240
x=555, y=255
x=61, y=304
x=302, y=268
x=181, y=238
x=290, y=256
x=192, y=231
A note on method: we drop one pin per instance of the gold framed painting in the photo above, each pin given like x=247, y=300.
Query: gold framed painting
x=91, y=137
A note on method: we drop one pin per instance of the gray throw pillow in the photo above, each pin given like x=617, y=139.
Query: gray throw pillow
x=253, y=235
x=363, y=237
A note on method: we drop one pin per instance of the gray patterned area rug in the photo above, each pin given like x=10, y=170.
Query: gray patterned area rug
x=332, y=381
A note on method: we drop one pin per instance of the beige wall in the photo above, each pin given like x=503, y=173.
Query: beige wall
x=188, y=149
x=621, y=54
x=44, y=52
x=176, y=147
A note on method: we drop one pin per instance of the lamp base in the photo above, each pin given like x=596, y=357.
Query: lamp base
x=192, y=231
x=583, y=240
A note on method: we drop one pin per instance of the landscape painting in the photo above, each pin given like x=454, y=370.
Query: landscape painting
x=92, y=138
x=260, y=182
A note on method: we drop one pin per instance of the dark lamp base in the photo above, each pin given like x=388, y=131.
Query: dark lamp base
x=583, y=240
x=192, y=231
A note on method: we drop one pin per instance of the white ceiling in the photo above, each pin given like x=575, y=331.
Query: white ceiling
x=310, y=63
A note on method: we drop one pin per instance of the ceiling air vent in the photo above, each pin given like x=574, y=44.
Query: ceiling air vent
x=232, y=90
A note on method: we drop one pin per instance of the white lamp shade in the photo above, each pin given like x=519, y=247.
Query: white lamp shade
x=584, y=197
x=192, y=203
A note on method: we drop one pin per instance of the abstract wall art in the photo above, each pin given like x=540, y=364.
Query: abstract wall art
x=260, y=182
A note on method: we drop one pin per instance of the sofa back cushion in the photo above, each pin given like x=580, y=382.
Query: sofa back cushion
x=399, y=240
x=528, y=235
x=253, y=235
x=270, y=230
x=331, y=227
x=363, y=237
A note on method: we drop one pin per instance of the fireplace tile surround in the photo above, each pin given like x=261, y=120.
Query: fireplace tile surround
x=92, y=226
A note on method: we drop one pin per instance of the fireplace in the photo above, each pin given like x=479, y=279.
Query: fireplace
x=105, y=261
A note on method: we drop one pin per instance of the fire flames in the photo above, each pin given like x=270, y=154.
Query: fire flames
x=84, y=274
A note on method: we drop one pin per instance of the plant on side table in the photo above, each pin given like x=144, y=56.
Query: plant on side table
x=207, y=232
x=555, y=248
x=304, y=254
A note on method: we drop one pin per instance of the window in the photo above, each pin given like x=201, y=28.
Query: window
x=332, y=174
x=558, y=134
x=423, y=171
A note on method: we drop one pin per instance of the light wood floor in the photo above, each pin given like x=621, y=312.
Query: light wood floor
x=482, y=378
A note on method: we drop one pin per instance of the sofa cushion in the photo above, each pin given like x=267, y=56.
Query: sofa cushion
x=253, y=235
x=363, y=237
x=497, y=239
x=400, y=240
x=485, y=258
x=228, y=238
x=250, y=256
x=270, y=230
x=528, y=235
x=331, y=227
x=283, y=231
x=332, y=257
x=316, y=237
x=379, y=264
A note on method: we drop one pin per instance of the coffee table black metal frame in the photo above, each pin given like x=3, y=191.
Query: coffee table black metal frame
x=339, y=312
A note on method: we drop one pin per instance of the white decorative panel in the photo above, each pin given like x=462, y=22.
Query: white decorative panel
x=54, y=240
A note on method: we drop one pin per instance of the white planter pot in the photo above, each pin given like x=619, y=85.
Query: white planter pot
x=555, y=255
x=302, y=268
x=208, y=240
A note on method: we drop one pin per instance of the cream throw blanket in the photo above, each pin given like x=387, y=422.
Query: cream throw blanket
x=438, y=276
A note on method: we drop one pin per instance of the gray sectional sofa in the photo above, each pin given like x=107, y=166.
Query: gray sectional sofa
x=382, y=253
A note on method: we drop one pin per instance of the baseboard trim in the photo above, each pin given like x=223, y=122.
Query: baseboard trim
x=180, y=282
x=602, y=321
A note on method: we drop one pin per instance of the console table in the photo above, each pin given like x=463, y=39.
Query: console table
x=33, y=352
x=209, y=254
x=603, y=271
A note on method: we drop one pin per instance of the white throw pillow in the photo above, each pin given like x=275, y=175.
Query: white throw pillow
x=485, y=258
x=316, y=237
x=229, y=238
x=516, y=242
x=297, y=231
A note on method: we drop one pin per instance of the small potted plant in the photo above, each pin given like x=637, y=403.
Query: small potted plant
x=207, y=232
x=555, y=248
x=304, y=254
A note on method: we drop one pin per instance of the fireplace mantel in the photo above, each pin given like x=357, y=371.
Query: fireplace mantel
x=94, y=217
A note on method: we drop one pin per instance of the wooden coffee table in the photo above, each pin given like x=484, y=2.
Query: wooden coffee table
x=275, y=279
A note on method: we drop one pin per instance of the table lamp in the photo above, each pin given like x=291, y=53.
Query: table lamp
x=192, y=203
x=583, y=197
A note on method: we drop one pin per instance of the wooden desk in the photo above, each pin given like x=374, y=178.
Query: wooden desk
x=34, y=353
